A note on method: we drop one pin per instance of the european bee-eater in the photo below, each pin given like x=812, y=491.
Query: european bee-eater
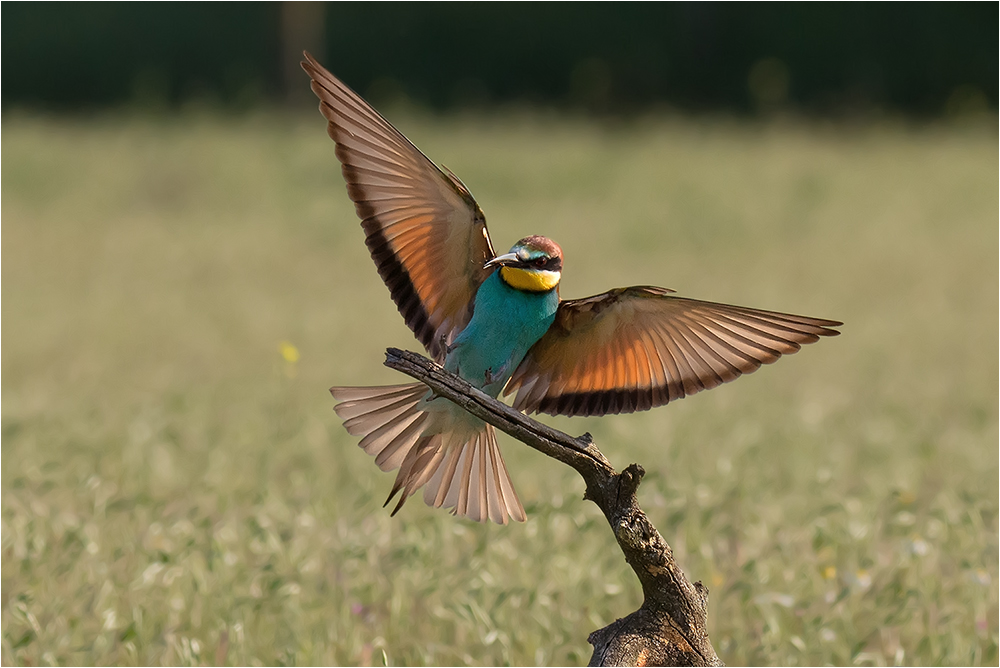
x=498, y=322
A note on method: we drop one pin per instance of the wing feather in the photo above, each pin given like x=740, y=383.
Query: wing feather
x=636, y=348
x=423, y=228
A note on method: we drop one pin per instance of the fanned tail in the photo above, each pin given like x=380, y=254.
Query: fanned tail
x=457, y=462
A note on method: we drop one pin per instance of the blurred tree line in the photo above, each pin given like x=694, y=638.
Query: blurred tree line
x=921, y=58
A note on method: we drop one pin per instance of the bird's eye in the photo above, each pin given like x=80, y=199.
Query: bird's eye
x=540, y=262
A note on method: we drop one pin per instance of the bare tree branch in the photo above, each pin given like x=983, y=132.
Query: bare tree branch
x=669, y=628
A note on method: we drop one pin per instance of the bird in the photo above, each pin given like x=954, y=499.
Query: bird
x=498, y=321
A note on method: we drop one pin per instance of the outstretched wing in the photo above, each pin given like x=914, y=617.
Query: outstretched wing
x=425, y=232
x=632, y=349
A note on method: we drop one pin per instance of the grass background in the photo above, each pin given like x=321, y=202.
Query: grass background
x=175, y=490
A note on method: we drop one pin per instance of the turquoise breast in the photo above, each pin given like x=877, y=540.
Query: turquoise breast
x=505, y=323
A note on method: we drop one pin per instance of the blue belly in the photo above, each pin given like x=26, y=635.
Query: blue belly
x=505, y=324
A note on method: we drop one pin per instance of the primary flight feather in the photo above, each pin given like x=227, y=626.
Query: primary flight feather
x=498, y=322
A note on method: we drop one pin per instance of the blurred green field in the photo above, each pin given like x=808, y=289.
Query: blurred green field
x=177, y=489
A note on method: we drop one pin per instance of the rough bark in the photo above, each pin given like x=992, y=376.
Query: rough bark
x=669, y=628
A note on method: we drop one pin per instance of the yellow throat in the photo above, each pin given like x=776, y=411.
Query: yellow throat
x=529, y=280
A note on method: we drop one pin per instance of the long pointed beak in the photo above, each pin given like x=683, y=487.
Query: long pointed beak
x=502, y=259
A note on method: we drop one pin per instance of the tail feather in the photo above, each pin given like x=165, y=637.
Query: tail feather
x=361, y=424
x=498, y=471
x=383, y=436
x=359, y=401
x=418, y=466
x=482, y=489
x=505, y=488
x=366, y=393
x=439, y=492
x=395, y=452
x=458, y=464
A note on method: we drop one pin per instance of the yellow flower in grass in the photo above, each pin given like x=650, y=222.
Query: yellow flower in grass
x=291, y=356
x=289, y=352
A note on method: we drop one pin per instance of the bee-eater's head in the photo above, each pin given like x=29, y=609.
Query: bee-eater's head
x=534, y=264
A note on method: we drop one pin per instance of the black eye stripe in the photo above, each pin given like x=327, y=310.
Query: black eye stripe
x=545, y=263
